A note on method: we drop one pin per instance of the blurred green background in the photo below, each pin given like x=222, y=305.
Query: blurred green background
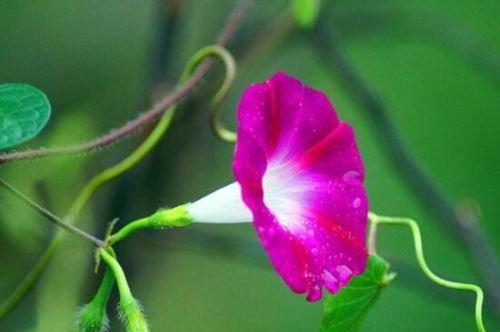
x=98, y=62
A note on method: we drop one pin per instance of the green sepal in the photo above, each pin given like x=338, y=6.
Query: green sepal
x=175, y=217
x=92, y=316
x=167, y=218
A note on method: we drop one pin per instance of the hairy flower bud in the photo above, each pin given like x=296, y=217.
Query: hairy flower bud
x=132, y=316
x=92, y=317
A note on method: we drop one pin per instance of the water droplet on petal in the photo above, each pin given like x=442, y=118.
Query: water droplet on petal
x=314, y=293
x=328, y=277
x=344, y=273
x=331, y=283
x=356, y=203
x=352, y=177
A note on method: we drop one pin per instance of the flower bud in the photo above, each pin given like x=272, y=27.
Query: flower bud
x=92, y=318
x=132, y=316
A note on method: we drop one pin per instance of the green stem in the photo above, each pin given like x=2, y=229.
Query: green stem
x=121, y=280
x=419, y=251
x=130, y=308
x=31, y=278
x=230, y=66
x=104, y=291
x=175, y=217
x=28, y=282
x=134, y=158
x=51, y=216
x=129, y=162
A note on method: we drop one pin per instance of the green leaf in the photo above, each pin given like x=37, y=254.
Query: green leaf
x=306, y=12
x=345, y=310
x=24, y=111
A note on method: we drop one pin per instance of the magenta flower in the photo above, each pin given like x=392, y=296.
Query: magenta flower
x=301, y=176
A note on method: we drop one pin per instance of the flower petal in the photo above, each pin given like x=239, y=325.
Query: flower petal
x=283, y=115
x=301, y=175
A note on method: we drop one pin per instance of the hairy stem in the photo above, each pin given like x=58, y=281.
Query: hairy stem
x=29, y=281
x=419, y=251
x=130, y=309
x=129, y=162
x=32, y=277
x=150, y=115
x=121, y=280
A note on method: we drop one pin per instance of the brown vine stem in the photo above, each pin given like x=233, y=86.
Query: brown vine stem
x=34, y=274
x=435, y=201
x=150, y=115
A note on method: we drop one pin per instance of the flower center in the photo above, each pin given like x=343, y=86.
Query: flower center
x=284, y=192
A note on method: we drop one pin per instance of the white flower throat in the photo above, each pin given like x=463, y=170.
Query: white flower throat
x=283, y=193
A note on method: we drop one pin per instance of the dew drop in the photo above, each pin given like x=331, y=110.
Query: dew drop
x=314, y=293
x=352, y=177
x=344, y=273
x=356, y=203
x=329, y=278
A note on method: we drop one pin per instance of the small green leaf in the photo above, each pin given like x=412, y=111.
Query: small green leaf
x=345, y=310
x=24, y=111
x=306, y=12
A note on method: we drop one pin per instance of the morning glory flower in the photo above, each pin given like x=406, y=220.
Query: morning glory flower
x=299, y=178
